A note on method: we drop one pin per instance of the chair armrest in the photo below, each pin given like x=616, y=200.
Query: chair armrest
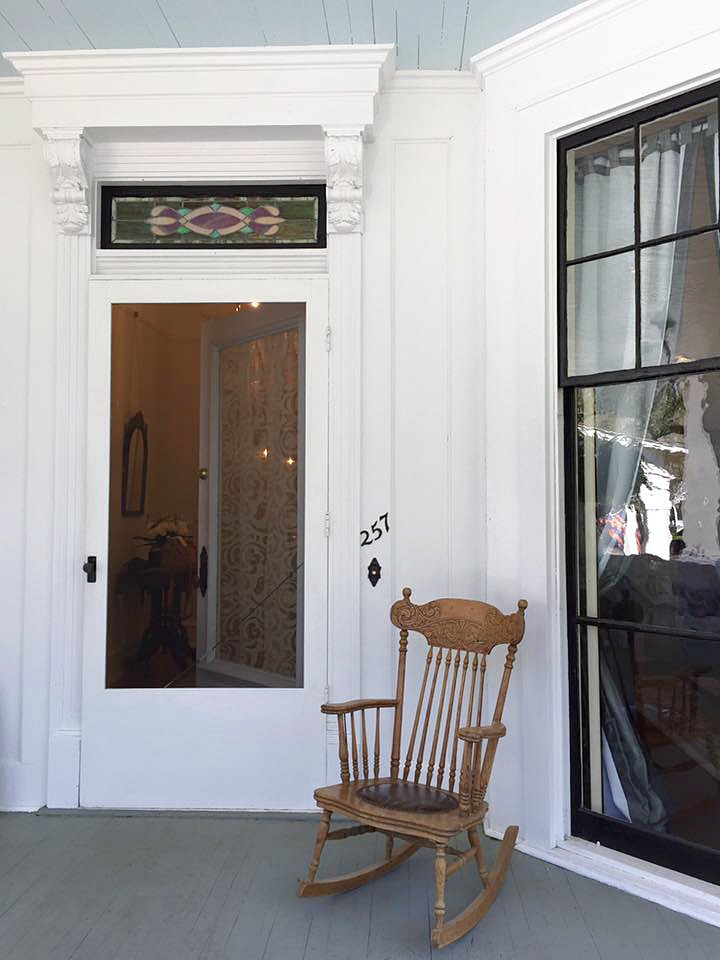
x=351, y=705
x=475, y=734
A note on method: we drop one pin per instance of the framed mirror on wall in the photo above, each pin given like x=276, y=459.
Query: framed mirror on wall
x=134, y=466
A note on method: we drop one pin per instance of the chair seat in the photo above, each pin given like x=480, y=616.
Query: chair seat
x=405, y=808
x=408, y=797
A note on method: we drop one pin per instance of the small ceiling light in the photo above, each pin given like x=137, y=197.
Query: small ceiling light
x=290, y=461
x=254, y=304
x=264, y=453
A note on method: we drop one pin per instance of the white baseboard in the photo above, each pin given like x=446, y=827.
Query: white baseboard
x=63, y=786
x=676, y=891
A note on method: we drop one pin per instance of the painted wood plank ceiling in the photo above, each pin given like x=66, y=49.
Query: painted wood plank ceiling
x=428, y=34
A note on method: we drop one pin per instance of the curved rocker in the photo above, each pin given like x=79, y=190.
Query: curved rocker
x=350, y=881
x=447, y=933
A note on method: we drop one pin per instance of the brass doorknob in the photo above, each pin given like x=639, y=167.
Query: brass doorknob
x=203, y=473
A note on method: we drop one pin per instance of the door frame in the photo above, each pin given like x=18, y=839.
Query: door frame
x=103, y=293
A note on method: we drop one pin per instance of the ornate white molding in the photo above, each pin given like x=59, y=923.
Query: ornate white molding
x=343, y=155
x=64, y=153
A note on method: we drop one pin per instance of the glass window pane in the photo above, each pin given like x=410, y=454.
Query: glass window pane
x=649, y=502
x=601, y=196
x=651, y=731
x=680, y=282
x=292, y=216
x=679, y=171
x=601, y=314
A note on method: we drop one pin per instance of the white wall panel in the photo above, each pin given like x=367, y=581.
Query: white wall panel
x=422, y=335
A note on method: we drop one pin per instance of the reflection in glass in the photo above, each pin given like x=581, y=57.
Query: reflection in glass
x=649, y=512
x=601, y=314
x=679, y=171
x=600, y=195
x=680, y=300
x=652, y=732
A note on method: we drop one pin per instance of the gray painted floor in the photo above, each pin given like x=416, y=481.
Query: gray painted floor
x=102, y=887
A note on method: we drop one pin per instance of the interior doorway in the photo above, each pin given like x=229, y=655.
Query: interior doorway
x=205, y=555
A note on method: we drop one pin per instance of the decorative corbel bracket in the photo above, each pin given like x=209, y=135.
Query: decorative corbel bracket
x=343, y=155
x=65, y=154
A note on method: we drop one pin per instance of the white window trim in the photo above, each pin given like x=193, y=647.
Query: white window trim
x=601, y=59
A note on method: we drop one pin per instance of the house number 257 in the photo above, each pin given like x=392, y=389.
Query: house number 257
x=375, y=531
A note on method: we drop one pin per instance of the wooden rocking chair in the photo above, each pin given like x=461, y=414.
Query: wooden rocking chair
x=460, y=635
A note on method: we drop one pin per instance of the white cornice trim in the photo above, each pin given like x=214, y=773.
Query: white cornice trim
x=216, y=86
x=545, y=34
x=37, y=63
x=432, y=81
x=11, y=87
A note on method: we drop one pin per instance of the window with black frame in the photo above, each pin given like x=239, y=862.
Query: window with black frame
x=639, y=284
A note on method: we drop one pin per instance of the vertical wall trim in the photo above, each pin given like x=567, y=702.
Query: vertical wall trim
x=343, y=153
x=66, y=157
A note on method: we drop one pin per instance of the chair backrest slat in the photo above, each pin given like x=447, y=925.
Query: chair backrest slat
x=418, y=711
x=448, y=720
x=426, y=722
x=458, y=712
x=438, y=718
x=460, y=634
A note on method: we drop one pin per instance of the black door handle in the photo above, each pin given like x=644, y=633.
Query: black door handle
x=90, y=568
x=203, y=572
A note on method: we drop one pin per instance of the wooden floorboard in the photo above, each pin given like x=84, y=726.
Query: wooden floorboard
x=108, y=887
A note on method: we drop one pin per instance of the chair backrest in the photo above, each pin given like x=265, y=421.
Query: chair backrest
x=460, y=636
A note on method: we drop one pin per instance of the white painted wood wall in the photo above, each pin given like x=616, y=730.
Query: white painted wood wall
x=421, y=413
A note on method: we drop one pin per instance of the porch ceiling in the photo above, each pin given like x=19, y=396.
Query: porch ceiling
x=429, y=34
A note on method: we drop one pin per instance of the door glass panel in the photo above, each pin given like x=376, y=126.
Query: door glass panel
x=206, y=499
x=651, y=731
x=601, y=315
x=600, y=196
x=679, y=172
x=680, y=283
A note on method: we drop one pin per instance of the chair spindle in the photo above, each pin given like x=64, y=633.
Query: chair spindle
x=458, y=714
x=354, y=747
x=448, y=720
x=343, y=749
x=376, y=765
x=413, y=732
x=438, y=720
x=364, y=746
x=428, y=710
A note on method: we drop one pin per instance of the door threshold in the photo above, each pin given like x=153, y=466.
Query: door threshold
x=124, y=813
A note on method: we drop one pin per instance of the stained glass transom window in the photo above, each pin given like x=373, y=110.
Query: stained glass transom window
x=214, y=216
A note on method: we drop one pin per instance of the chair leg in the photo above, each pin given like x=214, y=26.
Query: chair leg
x=388, y=846
x=440, y=870
x=319, y=844
x=474, y=841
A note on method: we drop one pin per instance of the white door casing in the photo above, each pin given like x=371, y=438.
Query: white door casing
x=204, y=748
x=318, y=103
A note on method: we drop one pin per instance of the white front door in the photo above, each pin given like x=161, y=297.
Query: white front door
x=205, y=634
